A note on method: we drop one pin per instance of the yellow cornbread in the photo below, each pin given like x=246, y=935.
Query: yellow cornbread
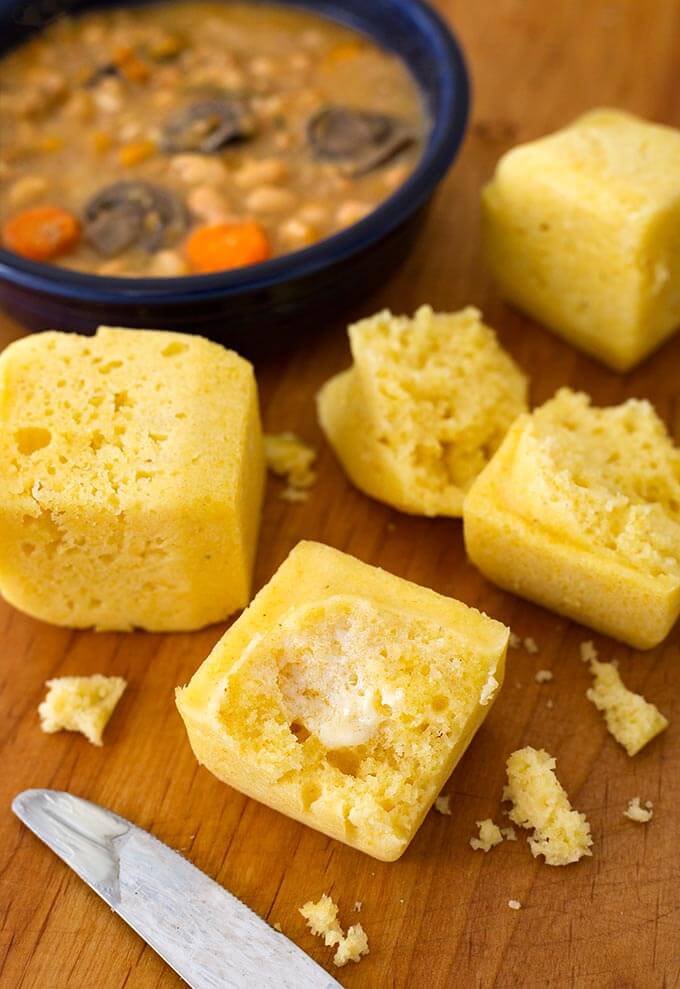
x=561, y=835
x=82, y=704
x=632, y=720
x=132, y=474
x=344, y=696
x=579, y=510
x=582, y=230
x=422, y=409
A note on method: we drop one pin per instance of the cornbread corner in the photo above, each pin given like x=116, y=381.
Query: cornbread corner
x=82, y=704
x=581, y=230
x=579, y=510
x=539, y=802
x=133, y=471
x=344, y=696
x=425, y=404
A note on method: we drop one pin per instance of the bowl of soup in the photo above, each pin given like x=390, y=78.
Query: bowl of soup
x=245, y=170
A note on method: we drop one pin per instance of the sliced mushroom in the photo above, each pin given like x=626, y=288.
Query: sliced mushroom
x=208, y=125
x=133, y=213
x=357, y=140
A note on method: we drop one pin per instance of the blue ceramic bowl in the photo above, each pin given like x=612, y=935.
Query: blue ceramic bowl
x=261, y=307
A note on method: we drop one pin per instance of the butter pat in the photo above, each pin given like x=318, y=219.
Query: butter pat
x=561, y=835
x=422, y=409
x=582, y=230
x=579, y=510
x=82, y=704
x=344, y=697
x=631, y=719
x=132, y=471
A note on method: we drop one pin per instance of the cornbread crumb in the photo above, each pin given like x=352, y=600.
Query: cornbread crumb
x=514, y=904
x=550, y=704
x=489, y=836
x=588, y=651
x=277, y=927
x=561, y=835
x=289, y=457
x=543, y=676
x=509, y=834
x=357, y=906
x=631, y=719
x=408, y=420
x=82, y=704
x=515, y=641
x=488, y=690
x=442, y=804
x=530, y=645
x=322, y=920
x=638, y=813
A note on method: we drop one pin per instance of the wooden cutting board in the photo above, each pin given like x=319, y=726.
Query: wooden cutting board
x=438, y=918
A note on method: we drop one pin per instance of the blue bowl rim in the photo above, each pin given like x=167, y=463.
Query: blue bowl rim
x=445, y=138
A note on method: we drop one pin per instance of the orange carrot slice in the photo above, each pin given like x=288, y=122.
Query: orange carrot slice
x=221, y=246
x=41, y=233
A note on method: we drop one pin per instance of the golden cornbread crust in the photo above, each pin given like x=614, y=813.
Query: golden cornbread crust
x=409, y=420
x=581, y=230
x=346, y=710
x=580, y=511
x=132, y=471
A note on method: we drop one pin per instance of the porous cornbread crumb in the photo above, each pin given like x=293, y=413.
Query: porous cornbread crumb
x=514, y=904
x=443, y=805
x=636, y=812
x=322, y=920
x=631, y=719
x=132, y=472
x=289, y=457
x=582, y=230
x=425, y=404
x=344, y=697
x=561, y=835
x=543, y=676
x=82, y=704
x=579, y=510
x=489, y=836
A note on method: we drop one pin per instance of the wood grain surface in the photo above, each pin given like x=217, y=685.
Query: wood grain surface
x=439, y=917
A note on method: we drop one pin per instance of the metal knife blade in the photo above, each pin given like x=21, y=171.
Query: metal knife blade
x=210, y=938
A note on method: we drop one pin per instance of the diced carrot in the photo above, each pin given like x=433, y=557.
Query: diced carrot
x=41, y=233
x=221, y=246
x=132, y=154
x=131, y=65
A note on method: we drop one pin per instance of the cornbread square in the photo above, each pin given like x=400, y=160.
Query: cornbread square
x=560, y=834
x=582, y=231
x=82, y=704
x=344, y=697
x=132, y=470
x=424, y=406
x=579, y=510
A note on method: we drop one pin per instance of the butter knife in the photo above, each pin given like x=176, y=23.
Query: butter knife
x=210, y=938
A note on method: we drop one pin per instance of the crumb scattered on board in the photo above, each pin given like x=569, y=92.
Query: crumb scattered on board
x=322, y=920
x=289, y=457
x=357, y=906
x=631, y=719
x=514, y=904
x=442, y=804
x=277, y=927
x=516, y=642
x=544, y=676
x=82, y=704
x=489, y=836
x=588, y=651
x=636, y=812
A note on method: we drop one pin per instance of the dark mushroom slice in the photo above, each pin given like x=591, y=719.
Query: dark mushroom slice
x=208, y=125
x=128, y=214
x=356, y=140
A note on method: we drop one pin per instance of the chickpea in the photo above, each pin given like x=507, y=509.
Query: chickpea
x=351, y=211
x=207, y=203
x=313, y=213
x=26, y=190
x=268, y=199
x=265, y=170
x=198, y=169
x=296, y=233
x=167, y=264
x=263, y=66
